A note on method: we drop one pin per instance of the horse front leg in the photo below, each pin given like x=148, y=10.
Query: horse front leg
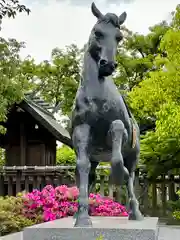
x=81, y=137
x=119, y=137
x=92, y=176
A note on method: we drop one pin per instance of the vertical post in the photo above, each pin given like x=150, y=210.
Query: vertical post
x=171, y=188
x=163, y=195
x=146, y=195
x=35, y=182
x=54, y=155
x=43, y=155
x=22, y=144
x=43, y=182
x=154, y=198
x=2, y=192
x=10, y=186
x=110, y=187
x=18, y=181
x=26, y=183
x=102, y=185
x=137, y=187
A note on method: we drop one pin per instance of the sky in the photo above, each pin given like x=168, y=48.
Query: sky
x=63, y=22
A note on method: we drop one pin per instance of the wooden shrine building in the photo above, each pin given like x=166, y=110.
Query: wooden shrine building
x=31, y=134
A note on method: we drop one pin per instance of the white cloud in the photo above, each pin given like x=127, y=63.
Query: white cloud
x=58, y=23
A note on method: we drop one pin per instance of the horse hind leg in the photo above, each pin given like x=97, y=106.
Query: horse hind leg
x=81, y=137
x=118, y=135
x=134, y=212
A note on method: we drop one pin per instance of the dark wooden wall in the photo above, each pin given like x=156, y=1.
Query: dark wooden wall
x=25, y=144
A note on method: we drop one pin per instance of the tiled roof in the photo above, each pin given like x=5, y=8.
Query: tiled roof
x=40, y=111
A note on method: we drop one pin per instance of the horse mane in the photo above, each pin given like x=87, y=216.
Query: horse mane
x=110, y=18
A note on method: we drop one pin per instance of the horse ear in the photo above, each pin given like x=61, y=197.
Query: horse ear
x=122, y=18
x=96, y=11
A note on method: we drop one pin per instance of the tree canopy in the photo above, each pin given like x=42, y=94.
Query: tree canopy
x=10, y=8
x=57, y=80
x=12, y=82
x=157, y=95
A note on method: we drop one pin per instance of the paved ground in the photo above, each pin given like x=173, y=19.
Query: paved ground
x=15, y=236
x=168, y=233
x=165, y=233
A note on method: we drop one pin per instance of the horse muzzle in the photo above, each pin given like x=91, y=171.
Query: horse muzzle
x=106, y=68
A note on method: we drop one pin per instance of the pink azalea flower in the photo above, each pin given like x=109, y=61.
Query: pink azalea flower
x=54, y=203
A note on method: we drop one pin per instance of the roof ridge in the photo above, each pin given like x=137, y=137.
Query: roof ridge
x=30, y=101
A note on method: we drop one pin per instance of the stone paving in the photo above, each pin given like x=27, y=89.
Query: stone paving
x=169, y=233
x=165, y=233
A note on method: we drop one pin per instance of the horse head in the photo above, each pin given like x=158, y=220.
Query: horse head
x=104, y=39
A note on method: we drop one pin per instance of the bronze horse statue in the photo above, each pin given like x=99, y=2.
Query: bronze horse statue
x=102, y=127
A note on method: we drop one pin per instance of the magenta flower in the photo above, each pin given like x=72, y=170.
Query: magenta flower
x=54, y=203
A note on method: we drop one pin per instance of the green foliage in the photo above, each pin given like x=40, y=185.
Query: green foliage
x=65, y=156
x=136, y=55
x=174, y=207
x=11, y=217
x=176, y=215
x=58, y=80
x=10, y=8
x=13, y=82
x=157, y=95
x=2, y=157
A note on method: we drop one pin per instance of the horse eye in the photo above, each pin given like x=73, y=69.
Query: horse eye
x=119, y=38
x=98, y=34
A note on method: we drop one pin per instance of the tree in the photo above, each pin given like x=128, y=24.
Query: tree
x=58, y=80
x=157, y=95
x=136, y=55
x=12, y=82
x=10, y=8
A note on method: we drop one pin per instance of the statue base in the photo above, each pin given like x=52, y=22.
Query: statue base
x=104, y=228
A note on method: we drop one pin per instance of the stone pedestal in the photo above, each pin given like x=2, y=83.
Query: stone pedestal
x=108, y=228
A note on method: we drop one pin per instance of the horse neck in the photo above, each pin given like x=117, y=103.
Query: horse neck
x=89, y=70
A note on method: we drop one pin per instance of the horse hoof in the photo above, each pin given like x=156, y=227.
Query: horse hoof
x=83, y=222
x=137, y=216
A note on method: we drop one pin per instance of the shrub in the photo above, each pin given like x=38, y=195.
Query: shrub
x=11, y=217
x=49, y=204
x=174, y=207
x=176, y=215
x=65, y=156
x=54, y=203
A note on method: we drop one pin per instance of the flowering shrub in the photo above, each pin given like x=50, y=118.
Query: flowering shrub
x=54, y=203
x=11, y=217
